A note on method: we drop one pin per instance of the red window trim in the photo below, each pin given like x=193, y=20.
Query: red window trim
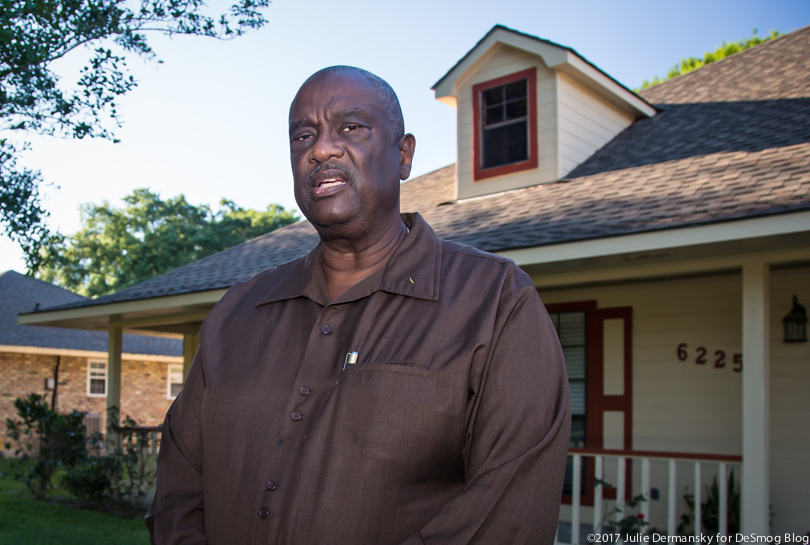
x=481, y=173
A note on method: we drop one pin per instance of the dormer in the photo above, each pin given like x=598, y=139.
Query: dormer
x=529, y=111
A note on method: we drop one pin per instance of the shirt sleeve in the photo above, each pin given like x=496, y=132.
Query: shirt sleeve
x=518, y=428
x=177, y=513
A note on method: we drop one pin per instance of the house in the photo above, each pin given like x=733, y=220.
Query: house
x=69, y=366
x=667, y=232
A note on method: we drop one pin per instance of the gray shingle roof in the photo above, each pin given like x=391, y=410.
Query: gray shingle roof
x=731, y=141
x=20, y=294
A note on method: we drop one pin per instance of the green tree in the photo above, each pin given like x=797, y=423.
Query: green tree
x=34, y=34
x=148, y=236
x=725, y=50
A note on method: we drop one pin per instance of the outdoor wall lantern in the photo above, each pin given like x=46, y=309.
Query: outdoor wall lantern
x=796, y=323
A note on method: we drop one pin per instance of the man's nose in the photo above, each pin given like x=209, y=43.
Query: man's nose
x=327, y=145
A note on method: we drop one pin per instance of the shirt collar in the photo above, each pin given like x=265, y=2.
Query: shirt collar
x=413, y=271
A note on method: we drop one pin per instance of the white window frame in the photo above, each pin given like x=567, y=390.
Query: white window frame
x=173, y=368
x=90, y=375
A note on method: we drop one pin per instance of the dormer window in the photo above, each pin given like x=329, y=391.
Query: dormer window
x=505, y=133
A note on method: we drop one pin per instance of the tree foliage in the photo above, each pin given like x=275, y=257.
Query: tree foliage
x=725, y=50
x=35, y=33
x=148, y=236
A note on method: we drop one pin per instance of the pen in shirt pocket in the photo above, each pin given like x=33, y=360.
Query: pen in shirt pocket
x=351, y=358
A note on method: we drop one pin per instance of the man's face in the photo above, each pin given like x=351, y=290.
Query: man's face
x=346, y=161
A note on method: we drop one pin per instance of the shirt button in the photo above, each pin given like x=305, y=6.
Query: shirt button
x=295, y=416
x=264, y=512
x=271, y=485
x=326, y=330
x=304, y=390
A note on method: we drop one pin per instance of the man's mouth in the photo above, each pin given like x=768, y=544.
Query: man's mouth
x=331, y=182
x=327, y=180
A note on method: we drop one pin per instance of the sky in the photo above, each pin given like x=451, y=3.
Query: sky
x=210, y=121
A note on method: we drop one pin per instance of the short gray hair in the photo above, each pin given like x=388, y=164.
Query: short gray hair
x=387, y=96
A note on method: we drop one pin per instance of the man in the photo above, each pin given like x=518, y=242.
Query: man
x=387, y=388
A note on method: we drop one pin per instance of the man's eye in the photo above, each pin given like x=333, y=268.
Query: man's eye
x=350, y=128
x=302, y=137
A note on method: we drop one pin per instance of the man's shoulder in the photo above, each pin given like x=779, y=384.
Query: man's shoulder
x=268, y=278
x=252, y=289
x=482, y=262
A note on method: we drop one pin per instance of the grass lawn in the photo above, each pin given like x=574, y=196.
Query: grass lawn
x=26, y=521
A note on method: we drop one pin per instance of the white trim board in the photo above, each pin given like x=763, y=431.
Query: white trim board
x=660, y=240
x=137, y=305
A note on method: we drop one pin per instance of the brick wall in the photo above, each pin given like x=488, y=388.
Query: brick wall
x=21, y=374
x=143, y=388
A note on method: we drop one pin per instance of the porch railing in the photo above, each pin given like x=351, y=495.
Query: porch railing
x=632, y=473
x=143, y=443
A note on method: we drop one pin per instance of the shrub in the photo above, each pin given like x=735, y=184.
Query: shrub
x=45, y=442
x=90, y=481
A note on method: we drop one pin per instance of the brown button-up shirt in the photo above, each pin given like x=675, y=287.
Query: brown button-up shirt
x=450, y=426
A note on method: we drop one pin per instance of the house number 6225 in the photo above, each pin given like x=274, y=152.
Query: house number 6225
x=703, y=356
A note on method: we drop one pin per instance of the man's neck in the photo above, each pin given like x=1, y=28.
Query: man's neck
x=346, y=263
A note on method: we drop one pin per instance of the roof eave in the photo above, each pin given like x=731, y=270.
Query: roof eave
x=159, y=314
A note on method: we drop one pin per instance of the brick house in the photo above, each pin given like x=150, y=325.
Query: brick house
x=151, y=372
x=667, y=232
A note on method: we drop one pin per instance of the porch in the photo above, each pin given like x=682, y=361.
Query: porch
x=608, y=492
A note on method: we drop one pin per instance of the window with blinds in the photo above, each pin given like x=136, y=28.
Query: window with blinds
x=570, y=328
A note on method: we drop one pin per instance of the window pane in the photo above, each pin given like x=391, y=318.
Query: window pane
x=176, y=388
x=97, y=386
x=572, y=328
x=575, y=361
x=577, y=397
x=518, y=141
x=493, y=96
x=517, y=152
x=494, y=115
x=494, y=147
x=518, y=108
x=578, y=432
x=516, y=89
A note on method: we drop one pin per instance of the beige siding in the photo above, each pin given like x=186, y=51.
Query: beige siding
x=587, y=123
x=790, y=411
x=503, y=61
x=684, y=407
x=680, y=406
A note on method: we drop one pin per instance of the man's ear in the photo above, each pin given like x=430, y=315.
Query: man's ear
x=407, y=146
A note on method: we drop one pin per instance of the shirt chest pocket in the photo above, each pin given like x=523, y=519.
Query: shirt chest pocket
x=393, y=410
x=405, y=368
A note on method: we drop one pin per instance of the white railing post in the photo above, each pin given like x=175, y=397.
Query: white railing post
x=575, y=498
x=597, y=495
x=601, y=461
x=723, y=511
x=671, y=497
x=645, y=488
x=698, y=499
